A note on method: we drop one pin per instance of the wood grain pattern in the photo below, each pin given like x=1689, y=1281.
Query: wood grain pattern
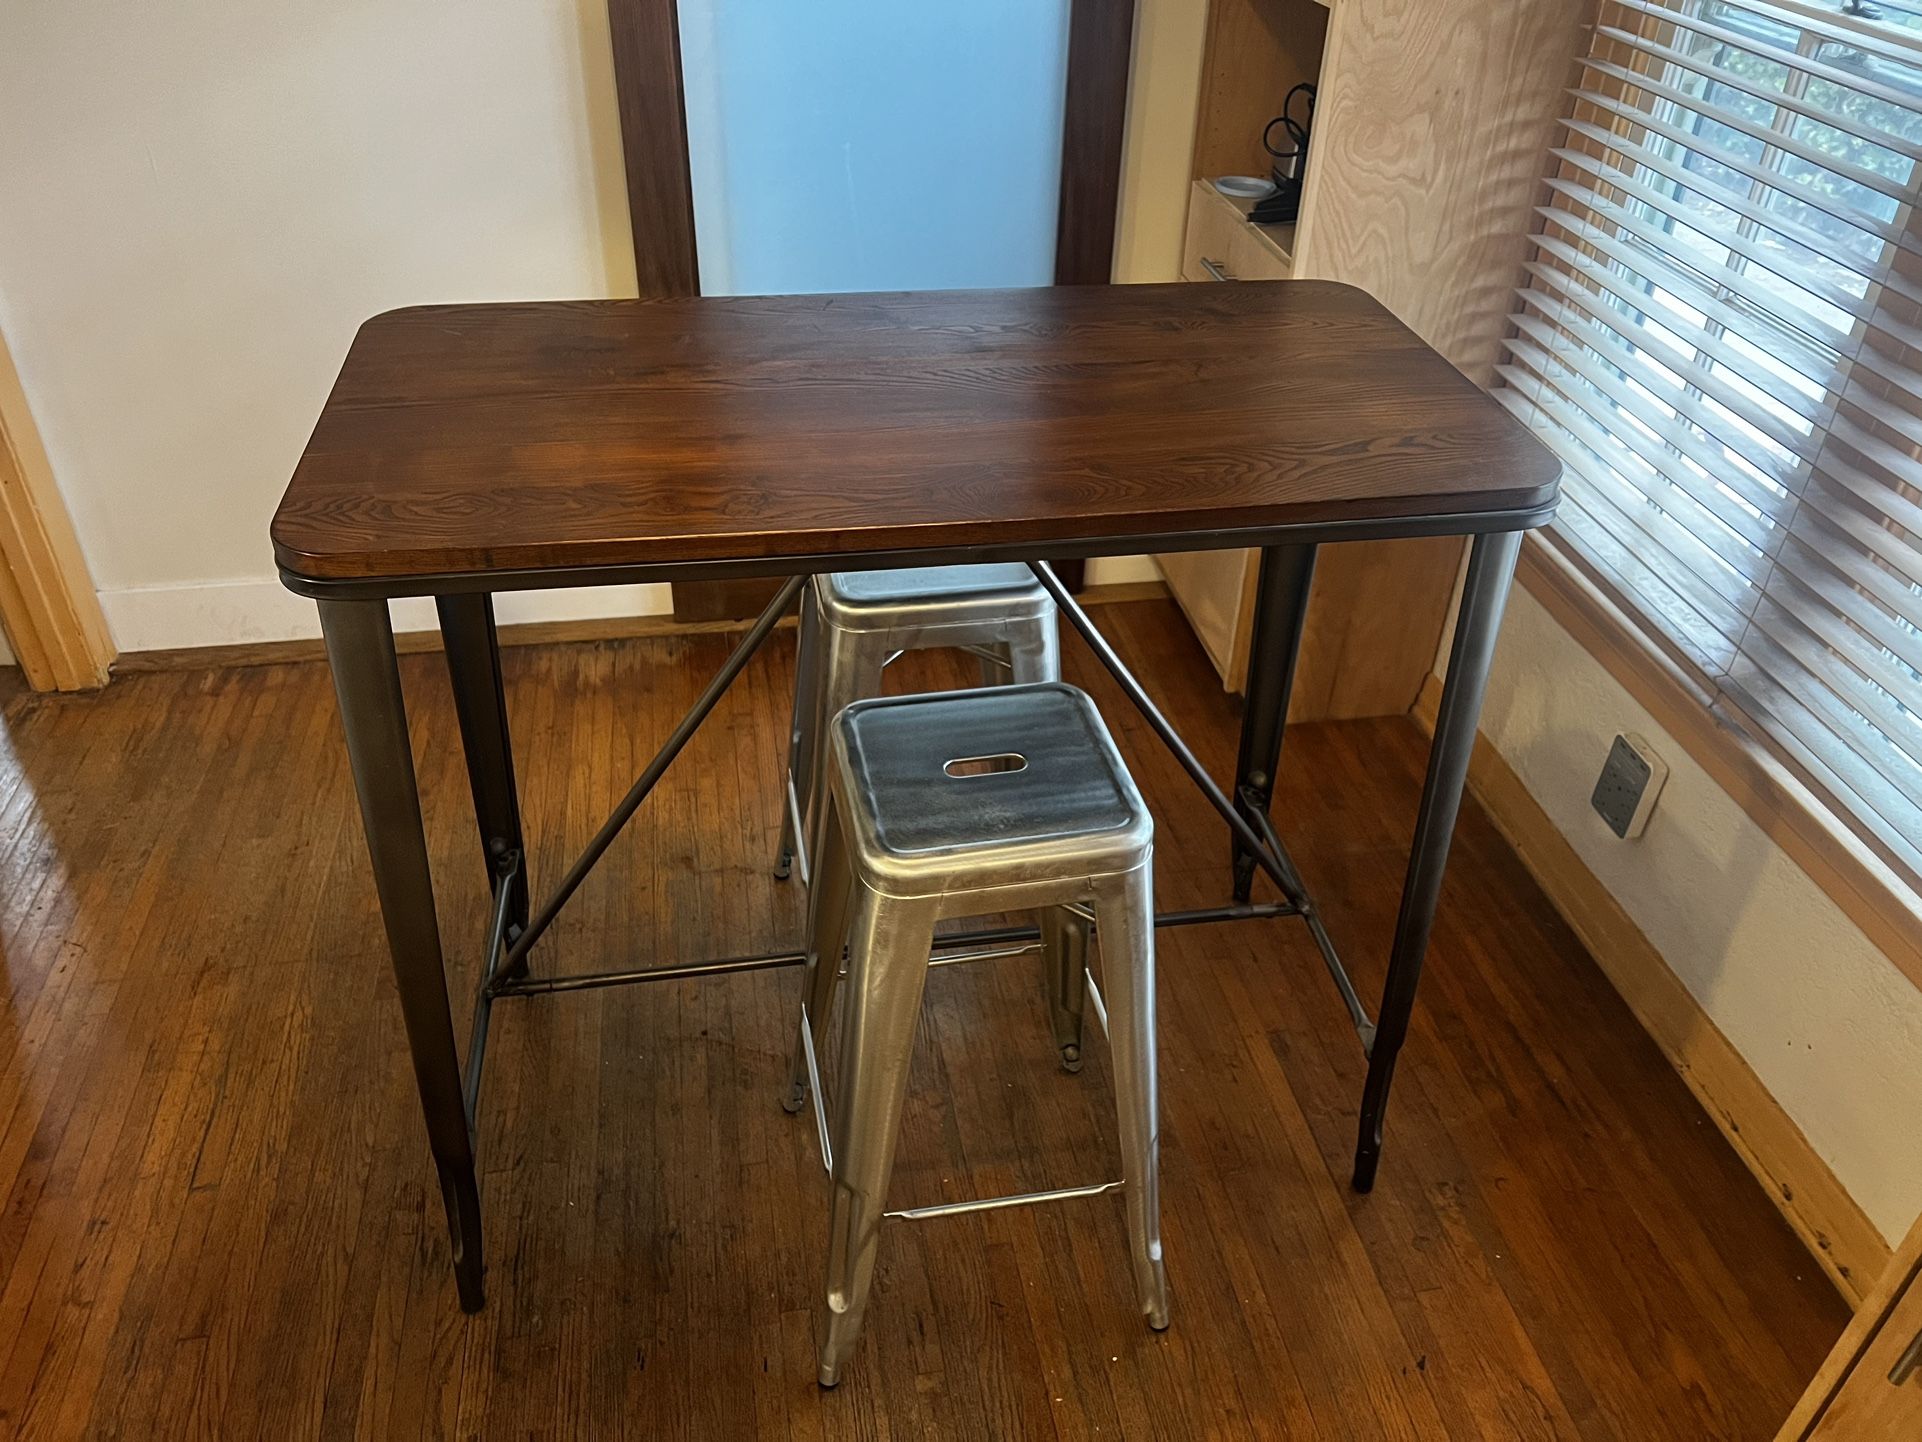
x=1365, y=651
x=639, y=433
x=217, y=1218
x=1871, y=1405
x=646, y=37
x=1100, y=44
x=1375, y=619
x=1256, y=51
x=1432, y=134
x=1836, y=1231
x=47, y=600
x=1851, y=1399
x=1220, y=232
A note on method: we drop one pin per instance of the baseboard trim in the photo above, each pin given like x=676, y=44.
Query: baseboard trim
x=525, y=633
x=1115, y=592
x=1839, y=1236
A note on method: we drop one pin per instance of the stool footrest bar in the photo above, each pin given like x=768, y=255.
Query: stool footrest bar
x=992, y=1204
x=1198, y=916
x=798, y=823
x=815, y=1100
x=992, y=953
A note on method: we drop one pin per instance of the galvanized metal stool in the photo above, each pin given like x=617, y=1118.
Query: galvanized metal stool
x=854, y=622
x=969, y=803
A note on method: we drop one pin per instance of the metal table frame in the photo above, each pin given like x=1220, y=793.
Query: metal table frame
x=360, y=648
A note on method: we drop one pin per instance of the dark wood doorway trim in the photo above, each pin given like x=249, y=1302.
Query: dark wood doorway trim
x=660, y=191
x=1100, y=46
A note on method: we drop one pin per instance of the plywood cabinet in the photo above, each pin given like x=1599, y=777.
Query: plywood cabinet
x=1216, y=592
x=1870, y=1389
x=1431, y=133
x=1222, y=245
x=1376, y=611
x=1216, y=589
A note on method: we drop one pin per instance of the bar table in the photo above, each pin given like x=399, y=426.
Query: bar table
x=472, y=449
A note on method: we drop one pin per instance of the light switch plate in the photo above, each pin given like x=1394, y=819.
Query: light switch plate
x=1631, y=779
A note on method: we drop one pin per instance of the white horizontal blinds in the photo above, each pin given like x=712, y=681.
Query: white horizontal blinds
x=1721, y=334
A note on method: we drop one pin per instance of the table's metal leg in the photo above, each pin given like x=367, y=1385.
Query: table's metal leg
x=474, y=666
x=1491, y=566
x=1281, y=607
x=360, y=647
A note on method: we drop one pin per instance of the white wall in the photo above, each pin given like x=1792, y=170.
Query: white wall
x=1827, y=1022
x=1164, y=93
x=200, y=201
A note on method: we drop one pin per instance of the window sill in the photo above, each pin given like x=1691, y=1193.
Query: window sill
x=1875, y=893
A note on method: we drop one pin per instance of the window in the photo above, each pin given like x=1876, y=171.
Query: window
x=1721, y=335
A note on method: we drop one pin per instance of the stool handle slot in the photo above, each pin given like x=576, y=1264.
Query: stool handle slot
x=963, y=767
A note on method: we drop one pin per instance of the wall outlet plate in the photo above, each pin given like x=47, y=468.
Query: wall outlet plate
x=1631, y=779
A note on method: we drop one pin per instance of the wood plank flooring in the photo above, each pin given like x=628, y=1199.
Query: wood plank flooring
x=218, y=1219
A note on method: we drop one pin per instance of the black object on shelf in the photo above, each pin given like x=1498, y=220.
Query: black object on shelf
x=1291, y=163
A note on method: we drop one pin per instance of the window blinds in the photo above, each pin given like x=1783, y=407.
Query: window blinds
x=1721, y=334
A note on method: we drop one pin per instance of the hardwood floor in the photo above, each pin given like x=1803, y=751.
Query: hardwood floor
x=219, y=1216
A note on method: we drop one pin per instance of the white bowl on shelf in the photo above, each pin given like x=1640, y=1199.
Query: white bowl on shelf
x=1245, y=187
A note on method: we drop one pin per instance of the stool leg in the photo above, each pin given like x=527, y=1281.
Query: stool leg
x=803, y=722
x=829, y=895
x=1064, y=965
x=1034, y=655
x=1126, y=922
x=887, y=969
x=850, y=670
x=1034, y=651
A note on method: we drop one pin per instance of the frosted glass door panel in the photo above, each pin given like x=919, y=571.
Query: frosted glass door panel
x=873, y=144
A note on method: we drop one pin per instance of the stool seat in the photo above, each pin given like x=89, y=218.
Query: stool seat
x=981, y=788
x=932, y=596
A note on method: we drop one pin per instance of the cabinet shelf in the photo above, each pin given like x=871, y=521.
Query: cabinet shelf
x=1223, y=244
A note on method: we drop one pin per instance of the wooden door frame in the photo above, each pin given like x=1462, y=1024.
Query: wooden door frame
x=1100, y=56
x=646, y=38
x=48, y=604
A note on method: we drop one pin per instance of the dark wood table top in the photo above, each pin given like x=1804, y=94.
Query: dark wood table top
x=501, y=438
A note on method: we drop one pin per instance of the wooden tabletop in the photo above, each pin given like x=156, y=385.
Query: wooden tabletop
x=641, y=433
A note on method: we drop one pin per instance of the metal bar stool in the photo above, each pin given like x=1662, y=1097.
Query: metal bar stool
x=969, y=803
x=854, y=622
